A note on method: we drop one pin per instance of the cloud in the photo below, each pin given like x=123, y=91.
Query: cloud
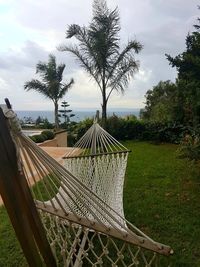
x=176, y=8
x=51, y=15
x=31, y=29
x=17, y=58
x=18, y=65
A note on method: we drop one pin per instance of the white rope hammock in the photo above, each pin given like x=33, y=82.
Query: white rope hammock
x=99, y=161
x=82, y=228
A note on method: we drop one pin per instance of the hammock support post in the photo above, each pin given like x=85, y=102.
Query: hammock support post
x=19, y=203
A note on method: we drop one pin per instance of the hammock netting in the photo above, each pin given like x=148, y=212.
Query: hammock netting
x=81, y=203
x=99, y=161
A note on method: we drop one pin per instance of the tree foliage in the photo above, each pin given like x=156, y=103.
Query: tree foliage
x=188, y=82
x=66, y=113
x=178, y=102
x=99, y=51
x=162, y=103
x=50, y=85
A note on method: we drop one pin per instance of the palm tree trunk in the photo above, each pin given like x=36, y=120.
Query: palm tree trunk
x=56, y=115
x=104, y=111
x=104, y=104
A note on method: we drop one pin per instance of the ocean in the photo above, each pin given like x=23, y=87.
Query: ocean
x=79, y=115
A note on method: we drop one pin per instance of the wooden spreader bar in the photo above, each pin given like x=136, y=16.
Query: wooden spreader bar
x=97, y=154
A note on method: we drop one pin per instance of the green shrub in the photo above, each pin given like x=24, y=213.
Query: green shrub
x=71, y=139
x=82, y=127
x=46, y=124
x=33, y=138
x=172, y=133
x=131, y=128
x=39, y=138
x=115, y=126
x=49, y=134
x=190, y=148
x=163, y=133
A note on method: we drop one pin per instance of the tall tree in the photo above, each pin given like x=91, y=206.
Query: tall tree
x=51, y=85
x=188, y=67
x=99, y=52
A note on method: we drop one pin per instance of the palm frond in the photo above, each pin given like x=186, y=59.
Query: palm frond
x=100, y=8
x=41, y=68
x=83, y=61
x=126, y=54
x=100, y=41
x=103, y=32
x=86, y=49
x=38, y=86
x=73, y=30
x=59, y=71
x=65, y=88
x=49, y=71
x=122, y=75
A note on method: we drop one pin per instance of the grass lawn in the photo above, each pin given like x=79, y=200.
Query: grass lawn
x=161, y=197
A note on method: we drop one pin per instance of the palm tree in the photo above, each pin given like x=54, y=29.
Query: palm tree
x=99, y=52
x=51, y=85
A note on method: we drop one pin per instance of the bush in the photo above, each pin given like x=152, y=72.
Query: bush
x=70, y=127
x=45, y=135
x=163, y=133
x=46, y=124
x=82, y=127
x=39, y=138
x=49, y=134
x=33, y=138
x=115, y=127
x=190, y=148
x=125, y=128
x=131, y=128
x=150, y=132
x=71, y=139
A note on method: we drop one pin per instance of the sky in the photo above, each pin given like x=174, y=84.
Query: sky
x=32, y=29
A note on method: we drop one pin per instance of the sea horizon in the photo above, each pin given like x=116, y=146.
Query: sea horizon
x=79, y=114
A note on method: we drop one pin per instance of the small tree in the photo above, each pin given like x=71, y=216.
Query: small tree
x=39, y=120
x=66, y=113
x=51, y=85
x=162, y=104
x=99, y=52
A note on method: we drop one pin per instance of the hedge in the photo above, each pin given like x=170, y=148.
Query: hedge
x=45, y=135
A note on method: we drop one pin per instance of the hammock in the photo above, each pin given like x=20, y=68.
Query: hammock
x=99, y=161
x=82, y=227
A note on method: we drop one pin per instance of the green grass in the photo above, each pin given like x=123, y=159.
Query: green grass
x=10, y=251
x=46, y=188
x=161, y=197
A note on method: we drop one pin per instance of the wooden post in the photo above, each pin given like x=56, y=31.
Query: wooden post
x=20, y=205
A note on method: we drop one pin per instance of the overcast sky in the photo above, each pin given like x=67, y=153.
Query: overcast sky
x=31, y=29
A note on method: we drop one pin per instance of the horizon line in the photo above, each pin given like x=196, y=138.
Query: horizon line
x=84, y=109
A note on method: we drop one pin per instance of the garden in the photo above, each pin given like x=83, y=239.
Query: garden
x=162, y=181
x=161, y=194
